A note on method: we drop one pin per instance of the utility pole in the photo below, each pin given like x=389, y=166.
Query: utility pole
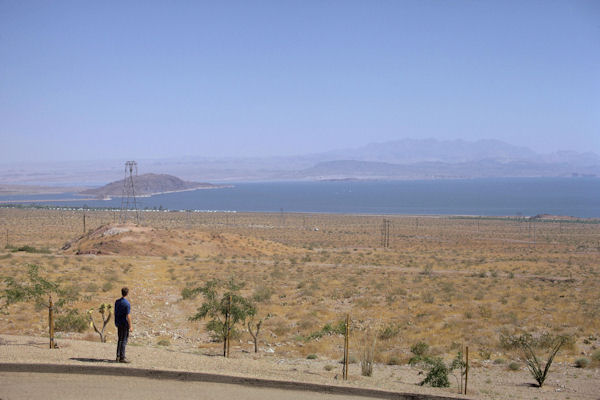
x=131, y=170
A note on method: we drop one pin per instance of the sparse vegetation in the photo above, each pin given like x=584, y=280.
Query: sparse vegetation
x=71, y=321
x=582, y=362
x=490, y=279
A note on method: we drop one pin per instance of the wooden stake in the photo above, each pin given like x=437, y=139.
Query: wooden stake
x=467, y=370
x=84, y=222
x=228, y=323
x=346, y=347
x=51, y=321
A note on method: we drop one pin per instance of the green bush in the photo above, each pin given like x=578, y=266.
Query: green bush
x=438, y=373
x=582, y=362
x=420, y=351
x=72, y=321
x=164, y=342
x=311, y=357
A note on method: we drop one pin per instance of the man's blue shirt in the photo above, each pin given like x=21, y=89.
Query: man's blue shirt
x=122, y=308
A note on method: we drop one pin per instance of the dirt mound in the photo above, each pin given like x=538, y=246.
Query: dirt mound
x=133, y=240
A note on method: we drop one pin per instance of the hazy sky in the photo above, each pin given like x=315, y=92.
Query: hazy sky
x=113, y=79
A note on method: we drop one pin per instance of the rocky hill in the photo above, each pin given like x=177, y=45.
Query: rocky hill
x=148, y=184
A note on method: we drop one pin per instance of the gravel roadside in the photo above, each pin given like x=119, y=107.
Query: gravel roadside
x=485, y=381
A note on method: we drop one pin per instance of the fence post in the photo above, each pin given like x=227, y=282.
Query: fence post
x=51, y=321
x=467, y=370
x=228, y=325
x=346, y=347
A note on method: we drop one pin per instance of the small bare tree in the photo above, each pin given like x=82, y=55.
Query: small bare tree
x=105, y=311
x=255, y=333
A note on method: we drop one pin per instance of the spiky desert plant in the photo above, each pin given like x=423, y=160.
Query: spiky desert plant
x=526, y=343
x=534, y=365
x=105, y=311
x=255, y=333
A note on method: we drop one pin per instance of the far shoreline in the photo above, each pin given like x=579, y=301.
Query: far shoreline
x=107, y=198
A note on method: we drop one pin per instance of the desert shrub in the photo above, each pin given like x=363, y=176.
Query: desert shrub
x=107, y=286
x=499, y=361
x=437, y=376
x=91, y=287
x=71, y=321
x=428, y=298
x=389, y=331
x=485, y=353
x=71, y=292
x=328, y=367
x=394, y=360
x=30, y=249
x=262, y=294
x=420, y=351
x=367, y=356
x=338, y=329
x=528, y=343
x=311, y=357
x=164, y=342
x=514, y=366
x=582, y=362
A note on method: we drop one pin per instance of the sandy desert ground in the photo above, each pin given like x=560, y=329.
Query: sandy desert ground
x=449, y=282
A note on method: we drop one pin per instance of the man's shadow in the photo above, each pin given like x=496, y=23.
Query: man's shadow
x=94, y=360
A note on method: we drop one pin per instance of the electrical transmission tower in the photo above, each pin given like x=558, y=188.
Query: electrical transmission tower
x=385, y=233
x=128, y=197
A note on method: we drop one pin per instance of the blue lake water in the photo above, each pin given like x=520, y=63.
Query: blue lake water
x=578, y=197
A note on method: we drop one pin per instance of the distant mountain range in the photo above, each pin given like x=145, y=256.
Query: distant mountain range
x=148, y=184
x=401, y=159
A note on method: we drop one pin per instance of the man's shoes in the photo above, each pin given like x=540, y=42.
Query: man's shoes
x=124, y=360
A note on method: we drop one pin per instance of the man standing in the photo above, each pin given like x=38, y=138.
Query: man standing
x=123, y=324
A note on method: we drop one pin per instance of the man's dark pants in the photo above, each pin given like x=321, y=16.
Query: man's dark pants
x=123, y=332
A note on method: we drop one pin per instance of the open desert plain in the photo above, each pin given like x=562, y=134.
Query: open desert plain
x=427, y=289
